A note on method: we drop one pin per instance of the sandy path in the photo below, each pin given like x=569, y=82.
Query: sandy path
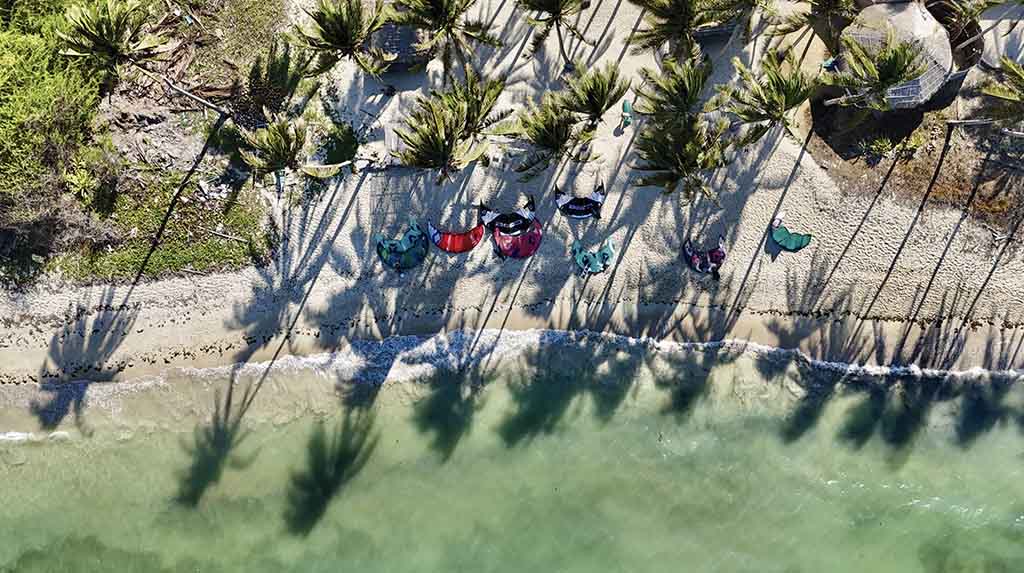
x=882, y=282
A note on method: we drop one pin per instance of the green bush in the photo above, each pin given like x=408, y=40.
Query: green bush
x=30, y=16
x=46, y=108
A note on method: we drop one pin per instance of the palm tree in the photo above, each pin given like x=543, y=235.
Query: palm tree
x=974, y=38
x=680, y=155
x=767, y=100
x=672, y=22
x=1010, y=93
x=480, y=96
x=342, y=29
x=275, y=149
x=436, y=137
x=872, y=74
x=447, y=131
x=450, y=34
x=673, y=92
x=833, y=14
x=553, y=134
x=594, y=92
x=554, y=15
x=115, y=32
x=958, y=15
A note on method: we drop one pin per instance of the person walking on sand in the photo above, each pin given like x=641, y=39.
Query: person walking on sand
x=706, y=262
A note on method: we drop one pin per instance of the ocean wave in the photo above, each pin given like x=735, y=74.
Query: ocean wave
x=409, y=357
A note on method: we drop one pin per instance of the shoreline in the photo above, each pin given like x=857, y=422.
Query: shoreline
x=931, y=350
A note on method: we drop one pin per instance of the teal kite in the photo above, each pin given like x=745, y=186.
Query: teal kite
x=787, y=240
x=593, y=263
x=407, y=253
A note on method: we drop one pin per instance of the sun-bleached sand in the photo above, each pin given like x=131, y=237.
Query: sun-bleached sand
x=883, y=281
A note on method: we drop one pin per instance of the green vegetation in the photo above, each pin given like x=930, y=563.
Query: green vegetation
x=871, y=74
x=829, y=15
x=672, y=23
x=450, y=35
x=341, y=29
x=446, y=131
x=594, y=92
x=554, y=134
x=673, y=92
x=1009, y=92
x=557, y=15
x=767, y=100
x=679, y=155
x=190, y=241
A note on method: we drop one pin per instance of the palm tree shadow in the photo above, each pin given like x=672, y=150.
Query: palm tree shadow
x=555, y=379
x=212, y=447
x=448, y=410
x=81, y=350
x=333, y=460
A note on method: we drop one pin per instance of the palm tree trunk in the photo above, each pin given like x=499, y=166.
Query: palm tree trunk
x=182, y=91
x=561, y=48
x=848, y=99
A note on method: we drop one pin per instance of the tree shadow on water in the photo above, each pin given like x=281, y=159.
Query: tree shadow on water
x=212, y=446
x=447, y=411
x=555, y=378
x=333, y=458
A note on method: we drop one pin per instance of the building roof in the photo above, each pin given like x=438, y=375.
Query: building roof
x=911, y=22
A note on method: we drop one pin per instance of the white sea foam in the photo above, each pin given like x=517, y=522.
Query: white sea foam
x=402, y=358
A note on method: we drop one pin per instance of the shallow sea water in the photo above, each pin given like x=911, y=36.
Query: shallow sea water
x=575, y=455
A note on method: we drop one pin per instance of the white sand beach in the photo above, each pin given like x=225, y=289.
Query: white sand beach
x=883, y=282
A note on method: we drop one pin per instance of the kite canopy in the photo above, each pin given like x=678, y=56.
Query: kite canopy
x=788, y=241
x=593, y=263
x=455, y=242
x=911, y=22
x=518, y=246
x=406, y=253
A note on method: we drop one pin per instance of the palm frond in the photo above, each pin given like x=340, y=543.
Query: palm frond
x=672, y=23
x=114, y=31
x=1009, y=91
x=673, y=92
x=871, y=74
x=275, y=147
x=678, y=156
x=766, y=100
x=553, y=133
x=451, y=34
x=342, y=29
x=592, y=93
x=553, y=15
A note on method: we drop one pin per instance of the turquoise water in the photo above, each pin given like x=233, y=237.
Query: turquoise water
x=607, y=460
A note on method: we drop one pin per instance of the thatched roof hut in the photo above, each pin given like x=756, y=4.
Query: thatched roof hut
x=911, y=22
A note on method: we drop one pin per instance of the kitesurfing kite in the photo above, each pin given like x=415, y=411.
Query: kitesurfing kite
x=456, y=242
x=517, y=234
x=581, y=207
x=406, y=253
x=786, y=239
x=593, y=263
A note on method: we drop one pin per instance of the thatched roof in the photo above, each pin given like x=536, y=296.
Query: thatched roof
x=911, y=22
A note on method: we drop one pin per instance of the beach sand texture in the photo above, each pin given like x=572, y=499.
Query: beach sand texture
x=883, y=281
